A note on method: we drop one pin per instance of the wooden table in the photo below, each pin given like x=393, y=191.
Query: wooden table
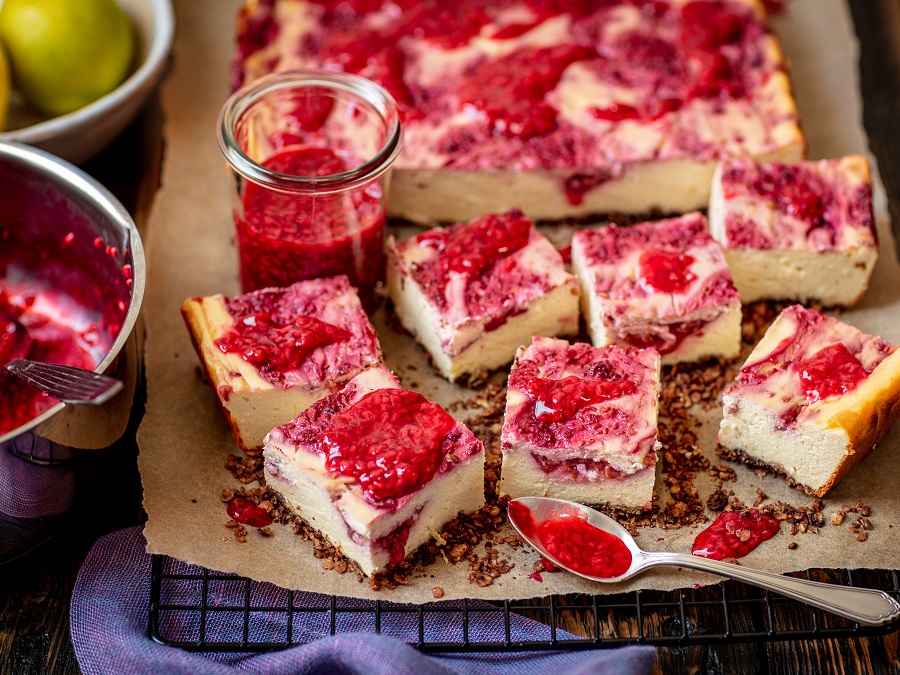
x=35, y=591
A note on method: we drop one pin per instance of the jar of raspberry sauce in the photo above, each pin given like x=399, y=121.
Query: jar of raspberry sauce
x=310, y=157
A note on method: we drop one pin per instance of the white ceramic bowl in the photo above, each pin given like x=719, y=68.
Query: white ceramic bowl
x=79, y=135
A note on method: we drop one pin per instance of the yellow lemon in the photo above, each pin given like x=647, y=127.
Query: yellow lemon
x=4, y=87
x=66, y=53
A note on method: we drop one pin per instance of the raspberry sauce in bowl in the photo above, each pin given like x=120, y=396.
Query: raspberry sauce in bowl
x=310, y=155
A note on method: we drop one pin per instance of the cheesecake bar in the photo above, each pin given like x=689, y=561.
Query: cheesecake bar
x=663, y=285
x=272, y=353
x=802, y=231
x=376, y=468
x=580, y=424
x=812, y=400
x=473, y=293
x=562, y=109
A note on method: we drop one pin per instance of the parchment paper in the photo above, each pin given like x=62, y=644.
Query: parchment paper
x=184, y=440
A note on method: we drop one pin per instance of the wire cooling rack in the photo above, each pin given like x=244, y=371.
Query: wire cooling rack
x=196, y=609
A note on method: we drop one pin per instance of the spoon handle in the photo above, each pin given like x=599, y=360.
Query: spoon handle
x=864, y=605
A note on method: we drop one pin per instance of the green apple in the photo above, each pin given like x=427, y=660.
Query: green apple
x=65, y=54
x=4, y=87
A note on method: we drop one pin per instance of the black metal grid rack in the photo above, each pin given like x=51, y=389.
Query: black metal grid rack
x=199, y=610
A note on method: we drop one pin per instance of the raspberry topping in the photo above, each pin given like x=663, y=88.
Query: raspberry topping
x=666, y=271
x=830, y=372
x=511, y=90
x=247, y=513
x=707, y=25
x=561, y=400
x=584, y=548
x=579, y=184
x=284, y=238
x=471, y=250
x=395, y=542
x=391, y=441
x=564, y=411
x=578, y=469
x=734, y=534
x=275, y=348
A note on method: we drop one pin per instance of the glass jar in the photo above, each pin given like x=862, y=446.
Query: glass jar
x=310, y=157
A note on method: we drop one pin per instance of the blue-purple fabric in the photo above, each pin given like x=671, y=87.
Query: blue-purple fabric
x=29, y=490
x=111, y=606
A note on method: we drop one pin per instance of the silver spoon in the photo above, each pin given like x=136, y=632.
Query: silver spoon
x=66, y=383
x=864, y=605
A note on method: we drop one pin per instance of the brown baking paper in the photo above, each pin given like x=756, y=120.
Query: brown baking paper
x=184, y=440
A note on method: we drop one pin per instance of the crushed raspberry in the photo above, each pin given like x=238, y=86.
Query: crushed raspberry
x=276, y=348
x=577, y=185
x=614, y=113
x=708, y=25
x=395, y=542
x=280, y=235
x=470, y=250
x=831, y=371
x=742, y=233
x=666, y=271
x=447, y=25
x=577, y=469
x=665, y=338
x=734, y=534
x=259, y=30
x=511, y=90
x=561, y=400
x=244, y=511
x=391, y=441
x=584, y=548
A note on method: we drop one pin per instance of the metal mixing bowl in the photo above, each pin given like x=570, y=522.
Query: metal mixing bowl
x=49, y=463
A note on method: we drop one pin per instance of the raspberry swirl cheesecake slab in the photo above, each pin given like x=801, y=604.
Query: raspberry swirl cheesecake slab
x=580, y=424
x=663, y=285
x=802, y=231
x=563, y=109
x=812, y=400
x=473, y=293
x=270, y=354
x=376, y=468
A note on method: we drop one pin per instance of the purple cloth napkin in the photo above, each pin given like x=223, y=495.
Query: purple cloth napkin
x=28, y=490
x=110, y=608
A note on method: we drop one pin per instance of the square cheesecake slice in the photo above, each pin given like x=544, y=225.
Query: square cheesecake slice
x=564, y=109
x=580, y=424
x=376, y=468
x=272, y=353
x=473, y=293
x=812, y=400
x=802, y=231
x=663, y=285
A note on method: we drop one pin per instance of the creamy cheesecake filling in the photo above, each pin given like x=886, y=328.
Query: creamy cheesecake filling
x=578, y=417
x=270, y=354
x=813, y=399
x=581, y=470
x=664, y=285
x=612, y=85
x=807, y=206
x=805, y=359
x=796, y=231
x=473, y=293
x=523, y=477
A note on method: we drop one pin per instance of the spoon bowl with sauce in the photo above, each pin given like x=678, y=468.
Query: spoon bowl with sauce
x=585, y=542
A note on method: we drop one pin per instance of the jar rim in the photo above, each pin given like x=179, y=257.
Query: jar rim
x=366, y=90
